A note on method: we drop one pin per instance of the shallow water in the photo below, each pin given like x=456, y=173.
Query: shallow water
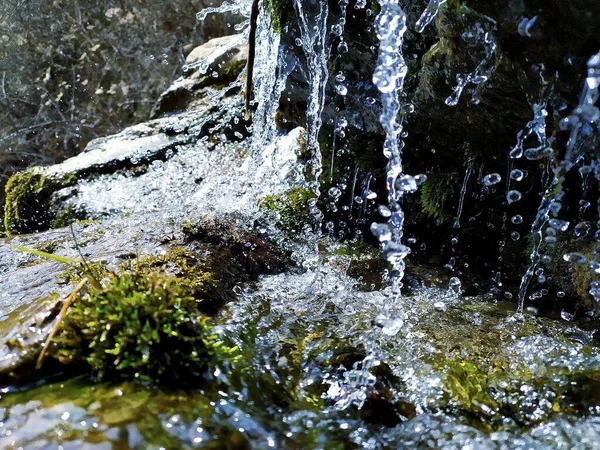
x=464, y=372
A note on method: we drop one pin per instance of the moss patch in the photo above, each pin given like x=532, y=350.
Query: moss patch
x=291, y=208
x=141, y=326
x=277, y=11
x=438, y=195
x=28, y=201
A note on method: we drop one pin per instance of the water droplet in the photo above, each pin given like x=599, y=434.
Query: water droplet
x=513, y=196
x=559, y=225
x=406, y=183
x=298, y=42
x=541, y=279
x=516, y=153
x=491, y=179
x=574, y=257
x=565, y=315
x=534, y=154
x=517, y=219
x=337, y=29
x=341, y=89
x=420, y=179
x=525, y=25
x=516, y=175
x=440, y=306
x=334, y=193
x=532, y=310
x=455, y=285
x=384, y=211
x=515, y=236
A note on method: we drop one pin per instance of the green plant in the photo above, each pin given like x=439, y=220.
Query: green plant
x=144, y=326
x=291, y=207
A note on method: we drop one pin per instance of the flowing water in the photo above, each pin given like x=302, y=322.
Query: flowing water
x=333, y=357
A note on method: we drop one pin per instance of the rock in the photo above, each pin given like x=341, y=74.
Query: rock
x=207, y=259
x=217, y=62
x=158, y=193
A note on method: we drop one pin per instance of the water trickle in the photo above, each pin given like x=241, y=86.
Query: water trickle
x=463, y=191
x=428, y=15
x=480, y=36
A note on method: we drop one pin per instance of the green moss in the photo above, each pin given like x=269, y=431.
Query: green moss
x=573, y=279
x=291, y=207
x=437, y=195
x=144, y=326
x=194, y=276
x=69, y=215
x=490, y=386
x=28, y=201
x=277, y=10
x=233, y=69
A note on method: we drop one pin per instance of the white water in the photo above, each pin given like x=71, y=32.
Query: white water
x=312, y=22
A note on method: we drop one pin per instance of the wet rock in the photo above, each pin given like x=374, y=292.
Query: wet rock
x=207, y=259
x=214, y=64
x=38, y=198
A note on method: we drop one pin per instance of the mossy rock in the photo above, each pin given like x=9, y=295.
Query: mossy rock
x=149, y=318
x=488, y=383
x=28, y=206
x=142, y=326
x=291, y=208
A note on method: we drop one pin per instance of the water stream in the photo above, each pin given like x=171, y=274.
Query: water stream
x=344, y=350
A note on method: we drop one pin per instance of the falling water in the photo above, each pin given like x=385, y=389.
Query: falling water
x=271, y=69
x=579, y=123
x=389, y=78
x=429, y=14
x=463, y=191
x=312, y=21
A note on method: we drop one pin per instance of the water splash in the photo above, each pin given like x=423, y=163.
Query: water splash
x=478, y=35
x=428, y=15
x=579, y=122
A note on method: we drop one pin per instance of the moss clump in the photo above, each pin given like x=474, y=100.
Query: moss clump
x=27, y=197
x=141, y=326
x=28, y=201
x=192, y=274
x=69, y=215
x=291, y=207
x=437, y=193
